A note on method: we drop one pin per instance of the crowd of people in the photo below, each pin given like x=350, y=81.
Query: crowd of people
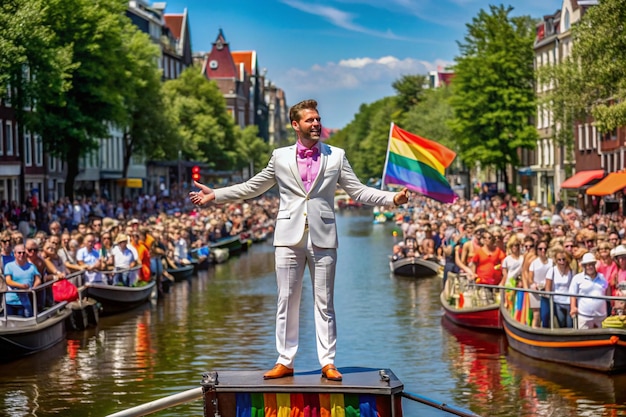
x=130, y=248
x=504, y=241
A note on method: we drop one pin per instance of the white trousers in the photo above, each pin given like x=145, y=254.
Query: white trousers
x=290, y=264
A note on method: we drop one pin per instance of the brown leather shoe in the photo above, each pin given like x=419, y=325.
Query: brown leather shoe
x=278, y=371
x=331, y=373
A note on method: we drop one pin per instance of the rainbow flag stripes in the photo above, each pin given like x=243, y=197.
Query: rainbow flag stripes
x=418, y=164
x=311, y=405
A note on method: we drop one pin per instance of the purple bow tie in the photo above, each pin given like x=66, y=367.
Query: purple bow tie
x=309, y=153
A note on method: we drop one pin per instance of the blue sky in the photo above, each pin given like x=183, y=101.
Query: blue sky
x=343, y=53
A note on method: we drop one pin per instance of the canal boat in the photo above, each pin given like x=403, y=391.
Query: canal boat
x=469, y=305
x=232, y=243
x=602, y=349
x=182, y=273
x=118, y=298
x=22, y=336
x=414, y=267
x=368, y=392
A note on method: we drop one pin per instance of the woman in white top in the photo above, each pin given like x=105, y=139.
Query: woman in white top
x=558, y=280
x=537, y=279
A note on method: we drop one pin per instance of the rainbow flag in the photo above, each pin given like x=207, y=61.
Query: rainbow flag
x=418, y=164
x=311, y=405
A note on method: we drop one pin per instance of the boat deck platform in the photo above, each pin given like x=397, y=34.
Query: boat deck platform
x=375, y=392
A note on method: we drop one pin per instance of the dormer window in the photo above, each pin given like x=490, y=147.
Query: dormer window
x=213, y=64
x=219, y=45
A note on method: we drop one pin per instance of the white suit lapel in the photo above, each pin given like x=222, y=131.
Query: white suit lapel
x=324, y=153
x=293, y=166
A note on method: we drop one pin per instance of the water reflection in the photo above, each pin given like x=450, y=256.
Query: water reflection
x=224, y=319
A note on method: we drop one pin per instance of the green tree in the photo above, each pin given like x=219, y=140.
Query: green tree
x=494, y=97
x=33, y=67
x=409, y=89
x=148, y=130
x=73, y=122
x=206, y=129
x=430, y=118
x=592, y=80
x=365, y=138
x=253, y=151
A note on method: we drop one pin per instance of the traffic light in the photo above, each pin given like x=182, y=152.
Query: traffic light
x=195, y=173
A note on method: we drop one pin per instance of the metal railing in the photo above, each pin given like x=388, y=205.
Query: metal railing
x=550, y=296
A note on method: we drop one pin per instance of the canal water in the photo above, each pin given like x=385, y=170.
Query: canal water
x=224, y=319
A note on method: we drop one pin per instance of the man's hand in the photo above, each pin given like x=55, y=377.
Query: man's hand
x=203, y=196
x=401, y=197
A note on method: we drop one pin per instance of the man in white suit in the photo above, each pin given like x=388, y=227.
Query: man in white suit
x=307, y=174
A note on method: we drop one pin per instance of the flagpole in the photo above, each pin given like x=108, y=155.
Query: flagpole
x=382, y=181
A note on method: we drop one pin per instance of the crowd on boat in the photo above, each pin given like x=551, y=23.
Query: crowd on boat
x=124, y=244
x=511, y=242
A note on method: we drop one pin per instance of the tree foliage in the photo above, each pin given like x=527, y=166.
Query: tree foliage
x=409, y=89
x=494, y=97
x=252, y=150
x=365, y=138
x=34, y=68
x=592, y=80
x=198, y=109
x=146, y=126
x=430, y=118
x=72, y=122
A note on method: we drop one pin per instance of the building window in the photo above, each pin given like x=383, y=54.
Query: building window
x=566, y=21
x=580, y=138
x=1, y=137
x=52, y=165
x=28, y=149
x=8, y=137
x=38, y=151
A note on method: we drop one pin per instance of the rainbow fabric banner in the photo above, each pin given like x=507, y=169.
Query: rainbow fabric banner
x=418, y=164
x=310, y=405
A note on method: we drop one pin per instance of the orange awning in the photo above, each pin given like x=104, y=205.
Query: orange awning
x=614, y=182
x=582, y=177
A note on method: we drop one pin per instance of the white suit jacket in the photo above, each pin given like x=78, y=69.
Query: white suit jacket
x=297, y=206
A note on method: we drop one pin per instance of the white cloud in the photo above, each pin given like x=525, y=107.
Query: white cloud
x=342, y=86
x=354, y=73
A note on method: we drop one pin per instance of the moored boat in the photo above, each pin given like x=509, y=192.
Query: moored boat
x=232, y=243
x=602, y=349
x=117, y=298
x=469, y=305
x=182, y=273
x=22, y=336
x=414, y=267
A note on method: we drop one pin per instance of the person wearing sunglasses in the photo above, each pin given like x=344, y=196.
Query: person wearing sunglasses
x=558, y=280
x=590, y=311
x=20, y=275
x=6, y=248
x=33, y=255
x=618, y=286
x=536, y=280
x=606, y=265
x=486, y=263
